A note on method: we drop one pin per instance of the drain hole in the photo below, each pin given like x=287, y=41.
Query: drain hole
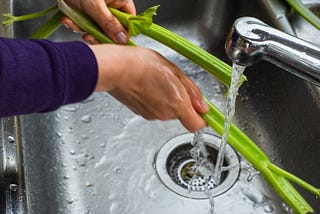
x=180, y=167
x=175, y=166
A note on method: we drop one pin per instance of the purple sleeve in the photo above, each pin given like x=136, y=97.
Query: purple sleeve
x=40, y=75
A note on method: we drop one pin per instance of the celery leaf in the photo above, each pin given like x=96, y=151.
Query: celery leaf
x=144, y=20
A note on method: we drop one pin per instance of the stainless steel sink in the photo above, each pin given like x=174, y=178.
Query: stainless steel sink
x=98, y=157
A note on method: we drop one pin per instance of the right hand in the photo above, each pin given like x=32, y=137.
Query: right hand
x=98, y=10
x=148, y=84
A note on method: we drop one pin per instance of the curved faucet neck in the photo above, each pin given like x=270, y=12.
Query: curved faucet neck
x=251, y=40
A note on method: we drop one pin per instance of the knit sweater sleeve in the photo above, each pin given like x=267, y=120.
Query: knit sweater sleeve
x=41, y=76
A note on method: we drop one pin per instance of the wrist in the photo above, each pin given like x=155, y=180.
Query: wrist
x=110, y=65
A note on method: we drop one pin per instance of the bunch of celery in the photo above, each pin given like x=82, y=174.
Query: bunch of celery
x=278, y=178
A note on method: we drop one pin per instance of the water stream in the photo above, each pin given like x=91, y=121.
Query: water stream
x=237, y=72
x=199, y=153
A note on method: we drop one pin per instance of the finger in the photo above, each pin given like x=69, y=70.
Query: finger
x=108, y=23
x=127, y=7
x=190, y=119
x=196, y=96
x=186, y=113
x=68, y=23
x=90, y=39
x=193, y=91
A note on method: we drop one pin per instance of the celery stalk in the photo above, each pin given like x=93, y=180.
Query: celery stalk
x=10, y=19
x=49, y=27
x=305, y=12
x=276, y=177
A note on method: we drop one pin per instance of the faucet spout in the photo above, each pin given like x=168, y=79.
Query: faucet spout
x=251, y=40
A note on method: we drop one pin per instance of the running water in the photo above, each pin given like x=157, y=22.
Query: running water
x=199, y=152
x=237, y=72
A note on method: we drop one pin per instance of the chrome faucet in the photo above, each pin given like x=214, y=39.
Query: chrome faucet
x=251, y=40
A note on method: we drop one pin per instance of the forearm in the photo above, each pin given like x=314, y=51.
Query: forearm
x=38, y=75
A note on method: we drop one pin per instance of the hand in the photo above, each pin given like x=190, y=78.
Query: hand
x=149, y=84
x=99, y=11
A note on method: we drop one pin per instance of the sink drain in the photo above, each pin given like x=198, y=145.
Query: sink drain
x=174, y=166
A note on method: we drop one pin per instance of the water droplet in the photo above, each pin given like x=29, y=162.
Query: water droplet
x=252, y=175
x=86, y=119
x=286, y=208
x=71, y=108
x=88, y=184
x=88, y=100
x=279, y=16
x=268, y=208
x=11, y=139
x=72, y=152
x=69, y=200
x=13, y=187
x=10, y=159
x=117, y=170
x=85, y=137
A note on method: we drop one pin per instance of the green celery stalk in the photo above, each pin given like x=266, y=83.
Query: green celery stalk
x=10, y=18
x=277, y=178
x=49, y=27
x=305, y=12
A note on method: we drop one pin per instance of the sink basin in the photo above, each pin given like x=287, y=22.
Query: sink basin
x=97, y=156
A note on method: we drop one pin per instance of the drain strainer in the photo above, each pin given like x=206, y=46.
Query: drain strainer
x=174, y=165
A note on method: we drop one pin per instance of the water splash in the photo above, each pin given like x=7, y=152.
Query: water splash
x=203, y=167
x=200, y=154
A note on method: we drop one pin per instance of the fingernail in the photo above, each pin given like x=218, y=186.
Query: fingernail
x=66, y=25
x=204, y=105
x=70, y=28
x=121, y=38
x=88, y=41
